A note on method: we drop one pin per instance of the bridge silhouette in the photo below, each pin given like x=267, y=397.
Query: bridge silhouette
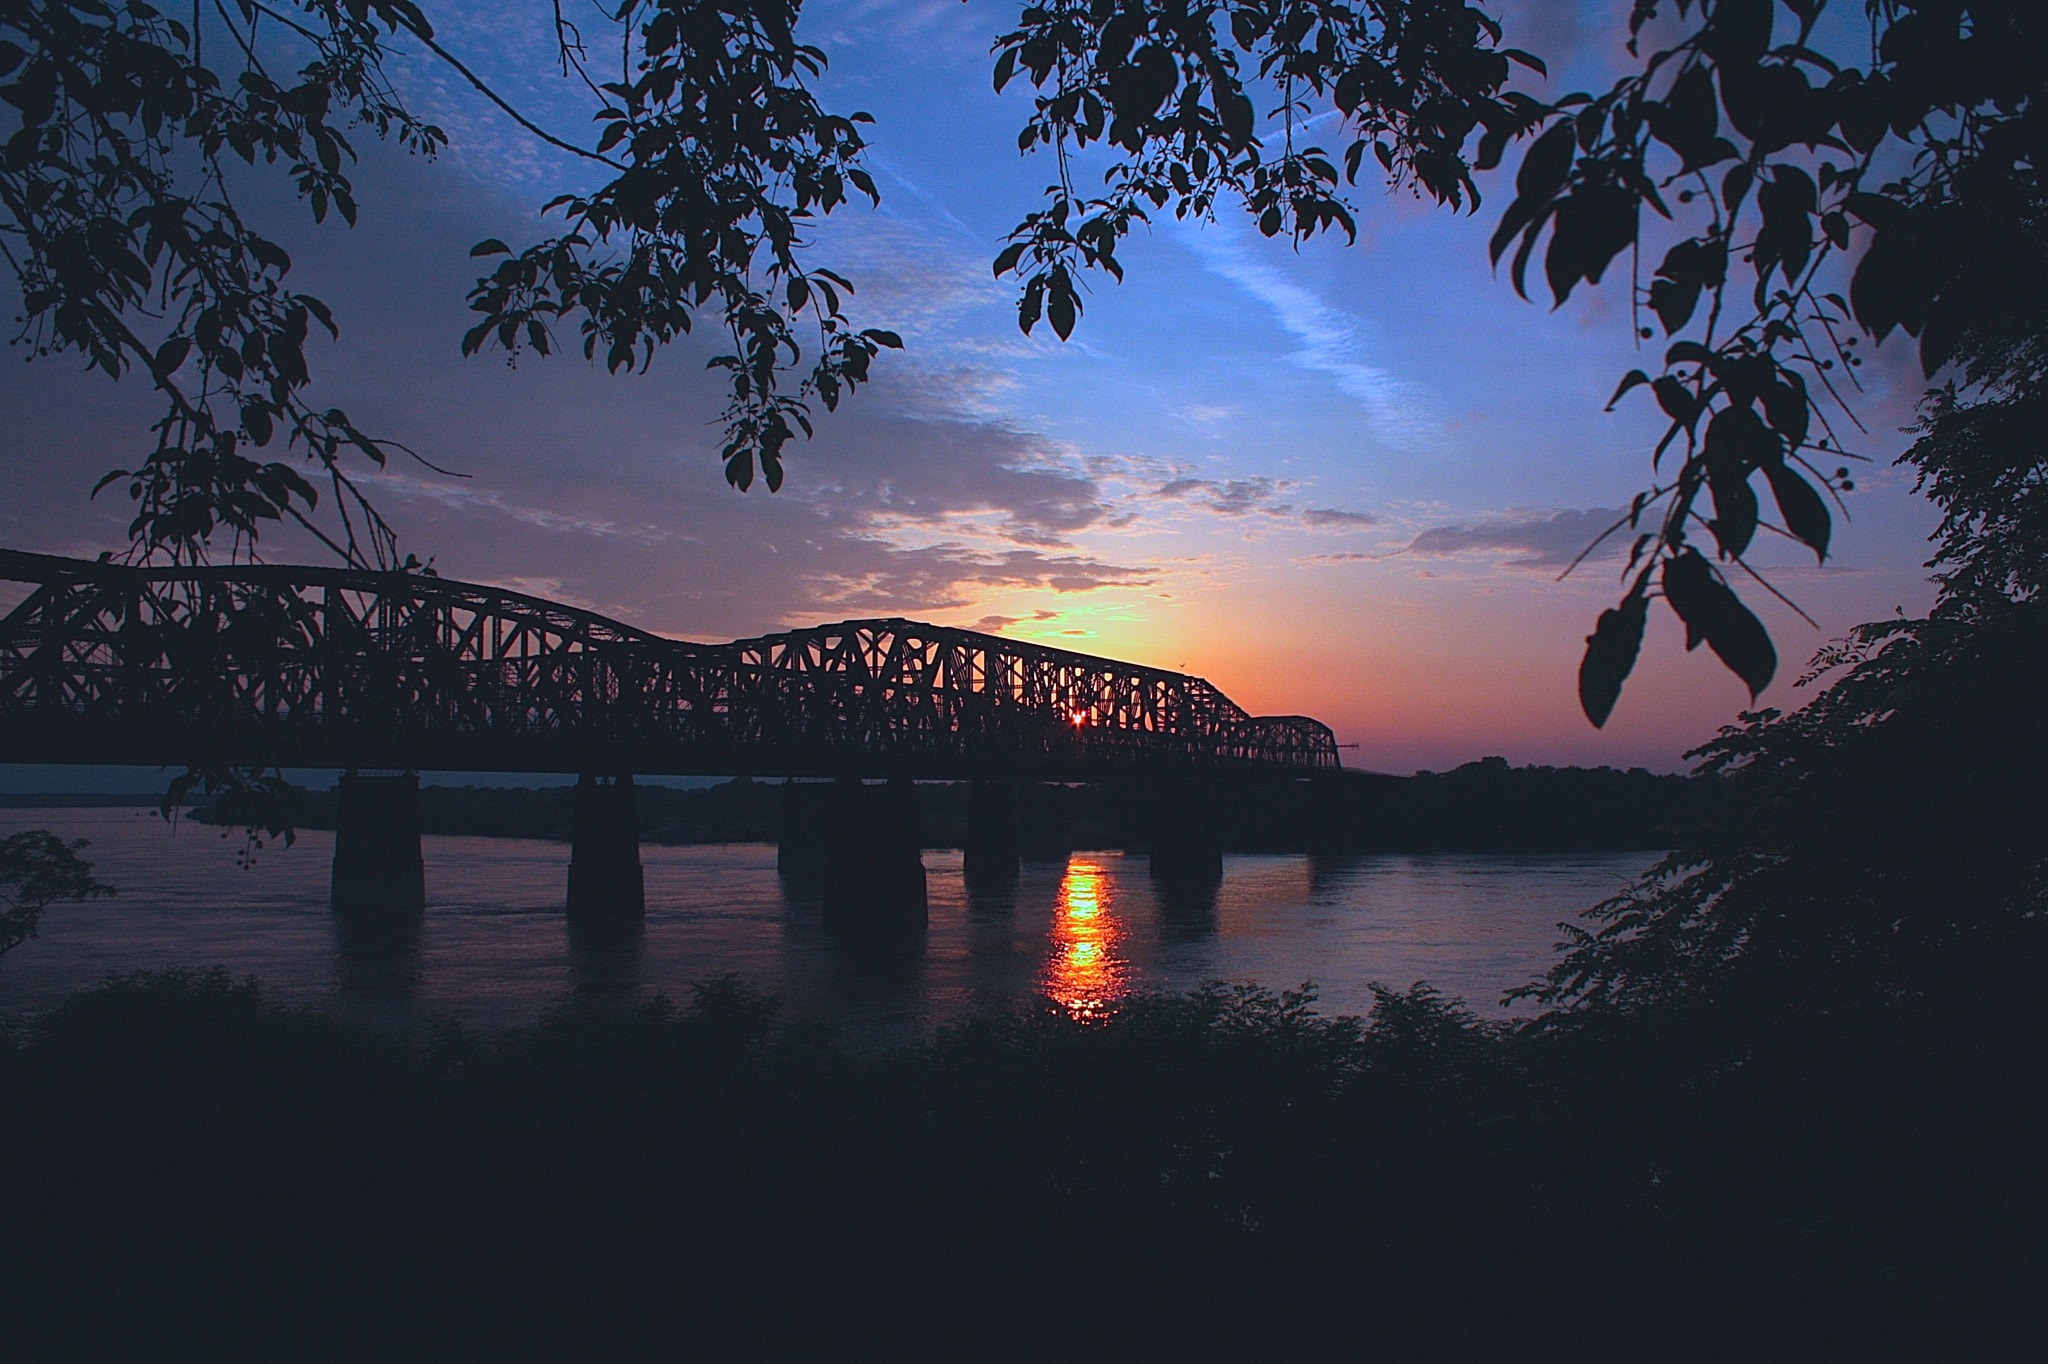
x=297, y=666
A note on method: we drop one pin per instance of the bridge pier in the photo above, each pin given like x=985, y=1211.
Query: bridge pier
x=1187, y=846
x=803, y=853
x=377, y=866
x=605, y=878
x=1044, y=830
x=874, y=882
x=989, y=856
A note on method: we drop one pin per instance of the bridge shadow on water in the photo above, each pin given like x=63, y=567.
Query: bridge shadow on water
x=605, y=957
x=1187, y=910
x=377, y=956
x=881, y=971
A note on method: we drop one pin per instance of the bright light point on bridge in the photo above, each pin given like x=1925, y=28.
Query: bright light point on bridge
x=1080, y=718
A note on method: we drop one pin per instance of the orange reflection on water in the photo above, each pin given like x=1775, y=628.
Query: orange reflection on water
x=1085, y=974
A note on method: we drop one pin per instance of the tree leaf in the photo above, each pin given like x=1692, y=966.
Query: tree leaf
x=1713, y=613
x=1061, y=306
x=1806, y=515
x=1737, y=444
x=1545, y=165
x=1629, y=380
x=172, y=353
x=1610, y=656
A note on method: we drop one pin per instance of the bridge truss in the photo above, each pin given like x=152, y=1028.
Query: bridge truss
x=104, y=662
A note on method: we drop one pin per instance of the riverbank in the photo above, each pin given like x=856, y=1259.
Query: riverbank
x=1482, y=807
x=1217, y=1175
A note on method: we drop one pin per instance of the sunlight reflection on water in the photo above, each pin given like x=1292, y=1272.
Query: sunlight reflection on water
x=1084, y=974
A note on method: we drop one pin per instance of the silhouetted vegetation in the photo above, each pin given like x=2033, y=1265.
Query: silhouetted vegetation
x=1218, y=1174
x=37, y=869
x=1483, y=806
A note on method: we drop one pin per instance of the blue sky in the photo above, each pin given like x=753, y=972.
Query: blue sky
x=1338, y=481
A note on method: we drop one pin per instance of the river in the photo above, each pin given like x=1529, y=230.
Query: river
x=494, y=950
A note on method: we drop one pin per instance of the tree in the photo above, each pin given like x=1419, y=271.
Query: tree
x=1884, y=843
x=37, y=869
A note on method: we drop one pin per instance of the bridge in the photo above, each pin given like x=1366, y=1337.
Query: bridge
x=331, y=667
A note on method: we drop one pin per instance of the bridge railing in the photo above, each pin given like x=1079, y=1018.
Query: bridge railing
x=341, y=666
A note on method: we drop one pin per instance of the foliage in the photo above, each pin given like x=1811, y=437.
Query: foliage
x=1180, y=1175
x=37, y=869
x=1171, y=87
x=1911, y=182
x=720, y=155
x=119, y=221
x=1885, y=841
x=1928, y=162
x=1891, y=195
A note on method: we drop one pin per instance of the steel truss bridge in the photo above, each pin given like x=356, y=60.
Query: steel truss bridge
x=326, y=667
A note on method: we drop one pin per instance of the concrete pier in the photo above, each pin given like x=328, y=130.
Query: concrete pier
x=1187, y=846
x=875, y=883
x=377, y=866
x=803, y=853
x=989, y=856
x=1044, y=829
x=605, y=880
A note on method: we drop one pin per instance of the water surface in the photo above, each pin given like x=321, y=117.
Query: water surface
x=494, y=948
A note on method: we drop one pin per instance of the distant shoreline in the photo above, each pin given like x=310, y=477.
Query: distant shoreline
x=1484, y=807
x=76, y=800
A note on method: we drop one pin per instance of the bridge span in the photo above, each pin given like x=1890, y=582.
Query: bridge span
x=103, y=662
x=328, y=667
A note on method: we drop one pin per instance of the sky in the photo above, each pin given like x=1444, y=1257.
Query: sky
x=1338, y=481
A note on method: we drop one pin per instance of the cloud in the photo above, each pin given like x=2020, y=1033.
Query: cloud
x=1347, y=558
x=1330, y=341
x=1332, y=518
x=1229, y=497
x=926, y=470
x=877, y=578
x=995, y=624
x=1532, y=541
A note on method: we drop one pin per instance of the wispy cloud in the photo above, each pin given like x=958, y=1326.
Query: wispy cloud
x=1331, y=341
x=1229, y=497
x=1336, y=518
x=997, y=624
